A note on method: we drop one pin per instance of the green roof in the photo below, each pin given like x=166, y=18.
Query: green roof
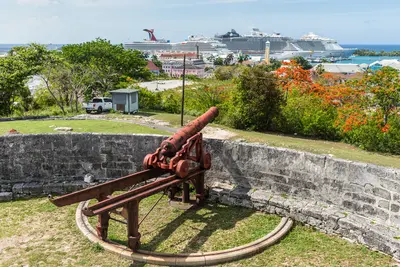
x=124, y=91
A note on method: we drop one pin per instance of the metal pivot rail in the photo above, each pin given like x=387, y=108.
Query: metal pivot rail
x=182, y=156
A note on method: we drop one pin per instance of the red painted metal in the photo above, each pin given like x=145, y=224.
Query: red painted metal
x=152, y=37
x=106, y=188
x=170, y=146
x=182, y=155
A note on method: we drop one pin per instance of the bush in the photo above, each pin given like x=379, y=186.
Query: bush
x=171, y=101
x=43, y=98
x=373, y=137
x=308, y=115
x=255, y=101
x=149, y=100
x=229, y=72
x=200, y=97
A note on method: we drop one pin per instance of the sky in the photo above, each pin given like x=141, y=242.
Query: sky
x=73, y=21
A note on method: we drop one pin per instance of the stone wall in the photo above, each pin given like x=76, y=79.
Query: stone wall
x=356, y=200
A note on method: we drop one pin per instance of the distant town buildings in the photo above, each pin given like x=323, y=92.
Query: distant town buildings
x=153, y=68
x=172, y=56
x=174, y=68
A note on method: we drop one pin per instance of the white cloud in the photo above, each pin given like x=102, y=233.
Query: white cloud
x=37, y=2
x=105, y=3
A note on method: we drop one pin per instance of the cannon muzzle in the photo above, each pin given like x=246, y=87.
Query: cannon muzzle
x=174, y=143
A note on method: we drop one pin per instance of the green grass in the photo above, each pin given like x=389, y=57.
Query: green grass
x=79, y=126
x=336, y=149
x=35, y=233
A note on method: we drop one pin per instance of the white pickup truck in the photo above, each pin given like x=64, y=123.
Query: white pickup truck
x=99, y=104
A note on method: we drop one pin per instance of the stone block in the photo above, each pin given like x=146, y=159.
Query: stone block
x=394, y=208
x=281, y=188
x=360, y=197
x=383, y=204
x=379, y=192
x=261, y=196
x=6, y=196
x=18, y=188
x=54, y=188
x=241, y=192
x=296, y=183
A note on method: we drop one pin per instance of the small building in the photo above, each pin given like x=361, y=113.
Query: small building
x=175, y=68
x=340, y=68
x=125, y=100
x=152, y=67
x=393, y=63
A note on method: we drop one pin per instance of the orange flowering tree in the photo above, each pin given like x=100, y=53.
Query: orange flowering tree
x=292, y=76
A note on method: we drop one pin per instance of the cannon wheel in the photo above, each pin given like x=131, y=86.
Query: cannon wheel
x=182, y=168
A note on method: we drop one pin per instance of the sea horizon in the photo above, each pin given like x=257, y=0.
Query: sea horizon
x=373, y=47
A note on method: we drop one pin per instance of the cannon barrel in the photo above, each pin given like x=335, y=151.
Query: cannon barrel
x=174, y=143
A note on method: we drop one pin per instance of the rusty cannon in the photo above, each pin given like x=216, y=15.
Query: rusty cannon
x=180, y=160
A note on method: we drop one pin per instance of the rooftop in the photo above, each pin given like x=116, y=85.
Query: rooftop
x=124, y=91
x=151, y=66
x=340, y=68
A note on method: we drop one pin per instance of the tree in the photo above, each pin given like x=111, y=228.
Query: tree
x=243, y=58
x=157, y=62
x=218, y=61
x=292, y=76
x=53, y=76
x=303, y=62
x=13, y=76
x=274, y=65
x=107, y=63
x=228, y=60
x=256, y=99
x=15, y=70
x=384, y=87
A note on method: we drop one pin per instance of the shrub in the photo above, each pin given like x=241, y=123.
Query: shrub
x=148, y=99
x=373, y=137
x=255, y=101
x=42, y=99
x=308, y=115
x=203, y=96
x=171, y=101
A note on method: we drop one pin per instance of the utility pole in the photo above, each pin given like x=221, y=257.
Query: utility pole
x=183, y=88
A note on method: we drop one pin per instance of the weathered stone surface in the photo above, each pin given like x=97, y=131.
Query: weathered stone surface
x=63, y=129
x=395, y=208
x=384, y=204
x=6, y=196
x=336, y=196
x=379, y=192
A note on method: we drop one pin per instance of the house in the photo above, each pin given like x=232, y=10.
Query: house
x=153, y=68
x=175, y=68
x=125, y=100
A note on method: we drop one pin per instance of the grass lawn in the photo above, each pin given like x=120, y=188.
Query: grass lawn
x=36, y=233
x=79, y=126
x=336, y=149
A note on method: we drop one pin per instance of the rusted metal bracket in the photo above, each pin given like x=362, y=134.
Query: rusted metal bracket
x=182, y=156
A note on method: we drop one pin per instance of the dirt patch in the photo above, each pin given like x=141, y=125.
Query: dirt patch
x=217, y=133
x=208, y=132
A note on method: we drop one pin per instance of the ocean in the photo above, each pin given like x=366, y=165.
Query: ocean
x=4, y=48
x=375, y=47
